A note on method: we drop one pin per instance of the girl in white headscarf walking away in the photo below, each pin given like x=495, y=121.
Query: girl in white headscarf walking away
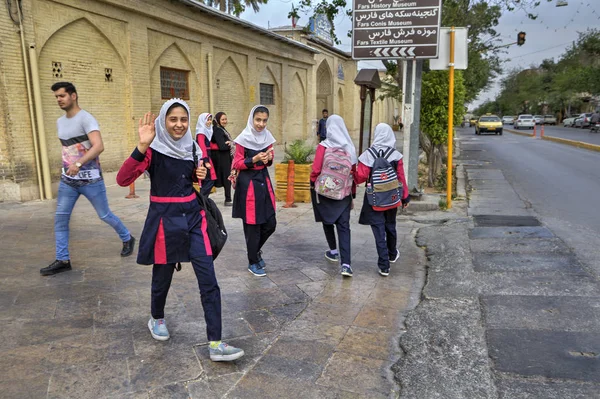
x=254, y=199
x=175, y=228
x=204, y=133
x=333, y=188
x=382, y=168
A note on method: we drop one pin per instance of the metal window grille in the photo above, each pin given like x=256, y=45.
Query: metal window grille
x=266, y=94
x=174, y=83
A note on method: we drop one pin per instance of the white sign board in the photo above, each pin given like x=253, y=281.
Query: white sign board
x=461, y=60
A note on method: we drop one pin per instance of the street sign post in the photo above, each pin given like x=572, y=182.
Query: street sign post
x=392, y=29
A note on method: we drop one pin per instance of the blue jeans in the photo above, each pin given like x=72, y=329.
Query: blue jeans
x=67, y=197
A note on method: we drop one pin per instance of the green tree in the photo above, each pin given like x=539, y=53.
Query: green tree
x=434, y=116
x=236, y=7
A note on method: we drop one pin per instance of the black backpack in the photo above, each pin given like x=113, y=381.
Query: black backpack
x=215, y=227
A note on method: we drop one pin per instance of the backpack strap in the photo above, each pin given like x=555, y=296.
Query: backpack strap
x=373, y=152
x=194, y=155
x=388, y=152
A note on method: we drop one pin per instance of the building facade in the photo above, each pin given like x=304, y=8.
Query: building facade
x=127, y=57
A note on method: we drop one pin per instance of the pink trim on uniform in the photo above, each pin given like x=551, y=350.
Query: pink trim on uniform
x=170, y=200
x=271, y=193
x=203, y=227
x=160, y=246
x=132, y=169
x=250, y=205
x=201, y=140
x=317, y=163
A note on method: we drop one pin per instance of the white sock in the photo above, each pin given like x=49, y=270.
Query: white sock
x=334, y=251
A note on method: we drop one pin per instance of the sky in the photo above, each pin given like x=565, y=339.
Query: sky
x=548, y=36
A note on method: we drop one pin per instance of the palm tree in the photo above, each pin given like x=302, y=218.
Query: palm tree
x=236, y=7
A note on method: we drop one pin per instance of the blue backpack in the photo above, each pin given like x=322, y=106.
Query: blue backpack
x=384, y=191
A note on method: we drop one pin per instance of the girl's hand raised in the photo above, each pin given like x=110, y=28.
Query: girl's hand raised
x=146, y=131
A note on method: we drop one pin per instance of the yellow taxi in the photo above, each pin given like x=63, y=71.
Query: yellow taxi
x=489, y=124
x=473, y=120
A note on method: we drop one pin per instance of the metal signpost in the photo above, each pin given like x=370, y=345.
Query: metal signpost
x=391, y=29
x=453, y=55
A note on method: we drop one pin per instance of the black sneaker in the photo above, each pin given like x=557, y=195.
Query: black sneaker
x=128, y=247
x=384, y=272
x=58, y=266
x=228, y=203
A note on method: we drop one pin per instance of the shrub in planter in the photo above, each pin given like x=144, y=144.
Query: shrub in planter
x=301, y=153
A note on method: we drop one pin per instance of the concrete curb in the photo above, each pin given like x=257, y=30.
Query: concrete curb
x=519, y=133
x=579, y=144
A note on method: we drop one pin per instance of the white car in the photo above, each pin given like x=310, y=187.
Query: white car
x=524, y=121
x=569, y=122
x=508, y=120
x=539, y=119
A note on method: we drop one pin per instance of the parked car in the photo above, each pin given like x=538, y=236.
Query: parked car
x=569, y=122
x=508, y=120
x=583, y=120
x=539, y=119
x=489, y=123
x=473, y=120
x=549, y=120
x=524, y=121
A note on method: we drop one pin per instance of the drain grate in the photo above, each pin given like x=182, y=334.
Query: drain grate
x=505, y=221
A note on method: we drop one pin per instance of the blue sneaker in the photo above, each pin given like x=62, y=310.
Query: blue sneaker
x=225, y=353
x=261, y=262
x=257, y=270
x=346, y=271
x=332, y=257
x=384, y=272
x=395, y=258
x=158, y=329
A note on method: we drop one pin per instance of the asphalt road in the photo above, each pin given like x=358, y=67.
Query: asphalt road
x=569, y=133
x=560, y=182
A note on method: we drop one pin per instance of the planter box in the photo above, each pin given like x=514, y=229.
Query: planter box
x=301, y=183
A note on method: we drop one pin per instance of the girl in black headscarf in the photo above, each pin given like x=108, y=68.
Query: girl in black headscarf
x=223, y=149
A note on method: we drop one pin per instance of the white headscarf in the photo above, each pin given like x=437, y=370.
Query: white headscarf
x=338, y=136
x=201, y=126
x=164, y=143
x=384, y=139
x=252, y=139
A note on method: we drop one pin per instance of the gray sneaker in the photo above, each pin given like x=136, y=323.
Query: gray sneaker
x=158, y=329
x=225, y=353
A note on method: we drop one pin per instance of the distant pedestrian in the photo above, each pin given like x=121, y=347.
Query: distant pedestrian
x=595, y=117
x=322, y=128
x=175, y=228
x=204, y=133
x=333, y=189
x=254, y=199
x=382, y=222
x=79, y=134
x=222, y=155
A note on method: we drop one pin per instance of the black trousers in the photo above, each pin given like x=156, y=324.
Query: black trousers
x=210, y=293
x=342, y=226
x=207, y=185
x=227, y=189
x=256, y=235
x=386, y=240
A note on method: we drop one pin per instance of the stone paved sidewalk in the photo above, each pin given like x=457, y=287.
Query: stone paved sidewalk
x=307, y=332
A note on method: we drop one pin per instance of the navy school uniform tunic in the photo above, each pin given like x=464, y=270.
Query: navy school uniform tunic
x=175, y=229
x=369, y=216
x=254, y=198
